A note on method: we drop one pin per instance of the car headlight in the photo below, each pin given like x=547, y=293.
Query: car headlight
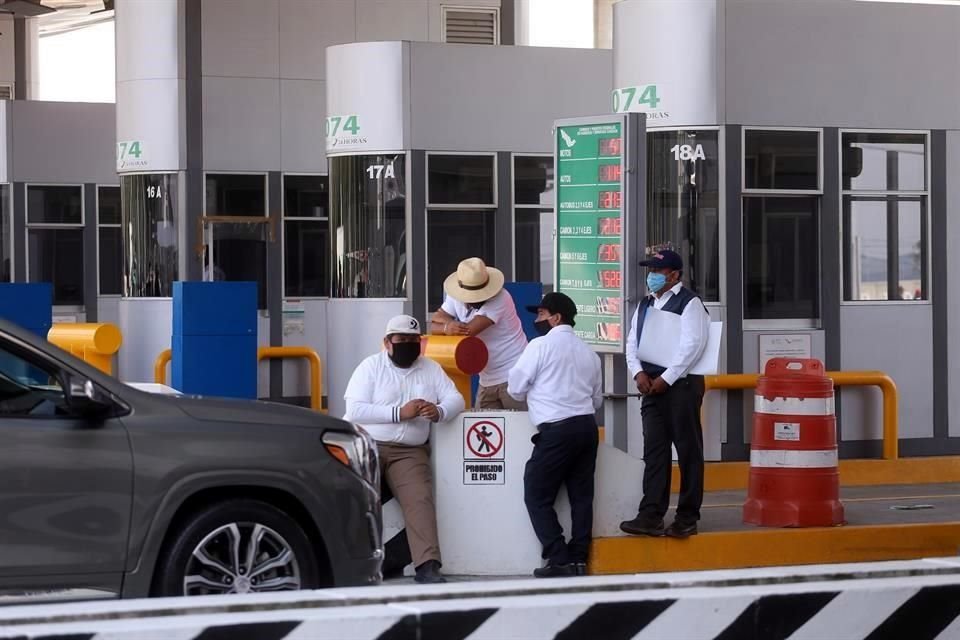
x=356, y=451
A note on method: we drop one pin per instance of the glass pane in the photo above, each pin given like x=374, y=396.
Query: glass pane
x=683, y=204
x=460, y=179
x=56, y=255
x=368, y=217
x=911, y=250
x=54, y=205
x=451, y=237
x=884, y=161
x=111, y=261
x=27, y=390
x=108, y=205
x=781, y=159
x=5, y=238
x=305, y=258
x=533, y=246
x=781, y=258
x=149, y=234
x=876, y=268
x=533, y=180
x=305, y=196
x=236, y=195
x=240, y=255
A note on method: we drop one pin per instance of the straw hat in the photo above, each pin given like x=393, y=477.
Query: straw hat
x=474, y=281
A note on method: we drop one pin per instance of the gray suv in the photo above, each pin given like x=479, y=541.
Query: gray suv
x=108, y=490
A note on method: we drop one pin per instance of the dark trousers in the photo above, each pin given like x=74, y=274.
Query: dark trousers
x=564, y=452
x=673, y=418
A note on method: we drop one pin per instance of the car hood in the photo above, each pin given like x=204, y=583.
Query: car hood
x=270, y=414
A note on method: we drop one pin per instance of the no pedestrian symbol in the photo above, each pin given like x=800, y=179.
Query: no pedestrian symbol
x=483, y=450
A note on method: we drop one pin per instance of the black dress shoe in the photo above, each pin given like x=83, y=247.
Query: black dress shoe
x=643, y=526
x=581, y=568
x=681, y=529
x=556, y=570
x=429, y=573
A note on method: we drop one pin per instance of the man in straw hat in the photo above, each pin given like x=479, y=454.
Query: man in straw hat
x=476, y=304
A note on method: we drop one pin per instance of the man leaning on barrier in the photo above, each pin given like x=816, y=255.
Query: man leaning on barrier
x=559, y=375
x=396, y=395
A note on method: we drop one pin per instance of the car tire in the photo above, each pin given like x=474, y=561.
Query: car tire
x=213, y=530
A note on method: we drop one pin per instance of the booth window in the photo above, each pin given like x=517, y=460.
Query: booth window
x=149, y=232
x=109, y=241
x=533, y=193
x=235, y=250
x=683, y=204
x=368, y=220
x=781, y=225
x=6, y=262
x=885, y=220
x=305, y=236
x=55, y=240
x=461, y=215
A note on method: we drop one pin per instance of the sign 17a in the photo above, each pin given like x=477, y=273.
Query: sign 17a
x=642, y=98
x=335, y=125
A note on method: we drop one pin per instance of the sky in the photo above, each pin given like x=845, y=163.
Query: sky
x=78, y=66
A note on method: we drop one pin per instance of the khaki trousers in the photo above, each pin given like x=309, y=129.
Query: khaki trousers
x=410, y=478
x=496, y=397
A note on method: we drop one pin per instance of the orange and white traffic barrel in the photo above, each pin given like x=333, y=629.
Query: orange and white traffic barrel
x=794, y=478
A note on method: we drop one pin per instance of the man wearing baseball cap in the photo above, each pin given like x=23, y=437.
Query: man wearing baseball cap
x=671, y=403
x=477, y=305
x=559, y=375
x=396, y=395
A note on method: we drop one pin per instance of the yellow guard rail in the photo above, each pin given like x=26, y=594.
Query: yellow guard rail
x=840, y=379
x=265, y=353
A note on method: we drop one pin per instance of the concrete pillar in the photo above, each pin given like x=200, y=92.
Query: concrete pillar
x=676, y=46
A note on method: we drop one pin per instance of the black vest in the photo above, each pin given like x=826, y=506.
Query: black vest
x=676, y=304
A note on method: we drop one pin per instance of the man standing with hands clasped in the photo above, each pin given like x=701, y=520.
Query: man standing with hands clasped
x=396, y=395
x=671, y=403
x=559, y=375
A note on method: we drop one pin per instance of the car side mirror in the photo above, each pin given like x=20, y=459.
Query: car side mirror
x=87, y=399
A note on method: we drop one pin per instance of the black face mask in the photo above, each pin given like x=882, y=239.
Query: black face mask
x=405, y=353
x=477, y=305
x=542, y=326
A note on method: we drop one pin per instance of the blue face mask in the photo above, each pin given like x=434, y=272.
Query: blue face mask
x=655, y=281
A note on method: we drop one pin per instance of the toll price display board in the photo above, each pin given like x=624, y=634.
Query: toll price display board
x=590, y=229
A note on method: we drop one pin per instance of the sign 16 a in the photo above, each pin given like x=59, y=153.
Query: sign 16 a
x=642, y=98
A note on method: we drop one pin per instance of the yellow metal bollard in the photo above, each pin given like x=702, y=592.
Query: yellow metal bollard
x=94, y=343
x=460, y=357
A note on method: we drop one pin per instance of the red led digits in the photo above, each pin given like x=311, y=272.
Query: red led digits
x=609, y=147
x=609, y=279
x=608, y=253
x=610, y=199
x=609, y=173
x=609, y=226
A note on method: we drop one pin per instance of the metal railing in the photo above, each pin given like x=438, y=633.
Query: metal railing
x=312, y=358
x=265, y=353
x=734, y=381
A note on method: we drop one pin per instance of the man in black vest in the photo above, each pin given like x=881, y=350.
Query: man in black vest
x=671, y=403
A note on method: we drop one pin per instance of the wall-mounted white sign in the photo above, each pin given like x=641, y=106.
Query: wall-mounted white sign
x=789, y=345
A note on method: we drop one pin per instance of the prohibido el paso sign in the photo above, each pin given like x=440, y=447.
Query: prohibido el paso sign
x=483, y=450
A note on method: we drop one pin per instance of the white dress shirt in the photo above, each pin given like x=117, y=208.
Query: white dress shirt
x=559, y=375
x=378, y=389
x=694, y=331
x=505, y=340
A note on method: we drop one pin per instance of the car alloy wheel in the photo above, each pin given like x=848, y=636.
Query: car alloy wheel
x=241, y=557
